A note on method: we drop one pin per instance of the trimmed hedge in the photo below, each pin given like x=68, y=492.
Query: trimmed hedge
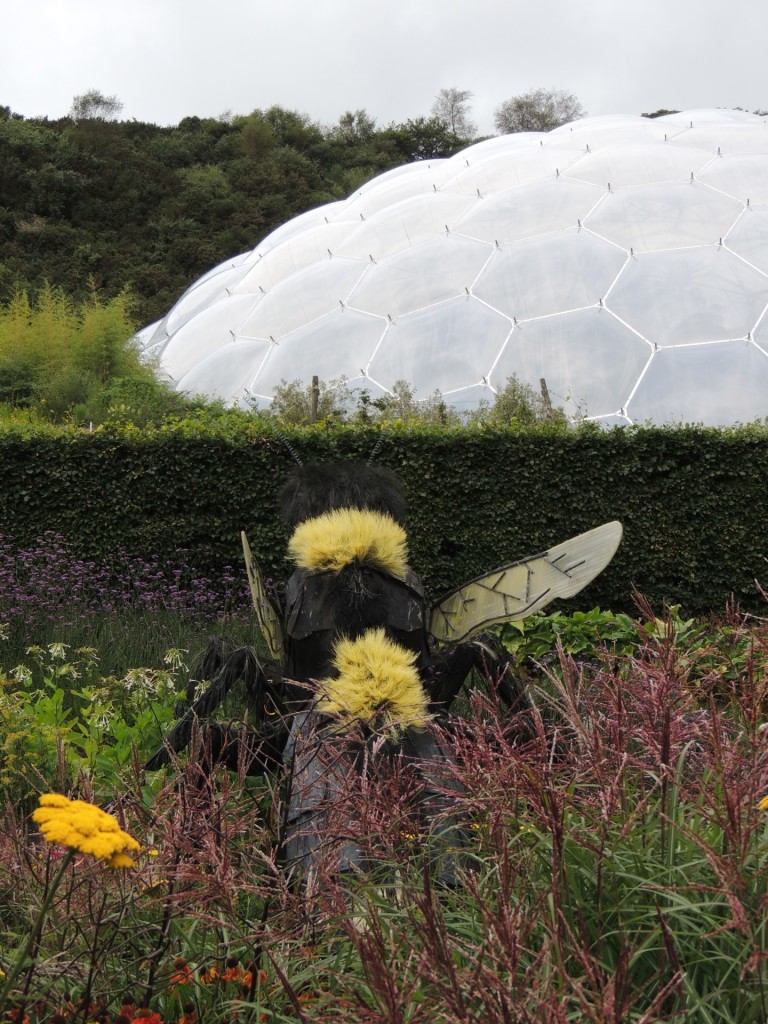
x=691, y=499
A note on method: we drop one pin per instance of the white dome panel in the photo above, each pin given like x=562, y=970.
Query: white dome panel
x=397, y=284
x=743, y=177
x=550, y=275
x=608, y=130
x=310, y=248
x=529, y=210
x=726, y=139
x=198, y=337
x=716, y=385
x=404, y=225
x=760, y=333
x=749, y=237
x=639, y=165
x=422, y=179
x=479, y=177
x=304, y=297
x=203, y=294
x=590, y=362
x=296, y=225
x=339, y=345
x=668, y=215
x=445, y=348
x=227, y=372
x=689, y=295
x=710, y=116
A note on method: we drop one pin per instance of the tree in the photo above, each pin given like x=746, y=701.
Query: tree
x=518, y=402
x=538, y=110
x=422, y=138
x=452, y=109
x=661, y=112
x=354, y=126
x=95, y=106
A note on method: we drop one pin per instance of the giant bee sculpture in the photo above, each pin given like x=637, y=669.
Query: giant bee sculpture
x=358, y=654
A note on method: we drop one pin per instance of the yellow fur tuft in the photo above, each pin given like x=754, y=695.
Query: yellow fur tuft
x=377, y=684
x=347, y=535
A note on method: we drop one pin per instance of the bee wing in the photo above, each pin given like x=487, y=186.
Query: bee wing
x=266, y=613
x=521, y=588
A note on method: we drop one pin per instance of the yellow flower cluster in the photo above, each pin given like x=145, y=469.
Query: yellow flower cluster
x=84, y=827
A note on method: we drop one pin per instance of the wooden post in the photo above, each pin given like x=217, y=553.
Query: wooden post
x=545, y=398
x=314, y=397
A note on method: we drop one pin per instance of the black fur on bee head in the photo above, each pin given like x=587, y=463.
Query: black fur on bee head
x=317, y=488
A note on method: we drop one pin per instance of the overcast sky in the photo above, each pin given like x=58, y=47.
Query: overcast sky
x=168, y=59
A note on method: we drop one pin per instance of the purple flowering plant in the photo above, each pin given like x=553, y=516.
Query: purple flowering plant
x=131, y=611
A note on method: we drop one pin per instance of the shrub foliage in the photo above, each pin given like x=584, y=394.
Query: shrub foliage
x=690, y=499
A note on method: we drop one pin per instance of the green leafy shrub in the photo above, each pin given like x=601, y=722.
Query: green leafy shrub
x=690, y=499
x=62, y=723
x=64, y=361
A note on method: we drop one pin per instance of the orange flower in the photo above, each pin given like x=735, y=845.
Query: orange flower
x=261, y=978
x=182, y=974
x=147, y=1016
x=234, y=971
x=189, y=1016
x=208, y=975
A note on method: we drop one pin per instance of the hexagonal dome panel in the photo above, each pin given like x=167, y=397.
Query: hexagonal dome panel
x=398, y=285
x=307, y=295
x=663, y=216
x=684, y=296
x=725, y=382
x=537, y=209
x=404, y=225
x=749, y=237
x=549, y=275
x=340, y=341
x=444, y=348
x=641, y=164
x=226, y=372
x=588, y=359
x=622, y=259
x=743, y=177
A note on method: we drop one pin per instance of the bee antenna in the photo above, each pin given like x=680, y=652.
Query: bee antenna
x=377, y=447
x=290, y=448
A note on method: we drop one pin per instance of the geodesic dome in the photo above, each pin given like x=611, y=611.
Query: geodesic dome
x=622, y=259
